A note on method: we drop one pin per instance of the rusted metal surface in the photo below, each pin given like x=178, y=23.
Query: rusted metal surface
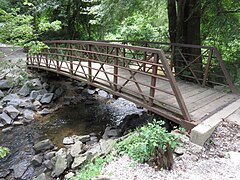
x=213, y=74
x=132, y=72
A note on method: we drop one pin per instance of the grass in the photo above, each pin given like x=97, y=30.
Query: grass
x=93, y=168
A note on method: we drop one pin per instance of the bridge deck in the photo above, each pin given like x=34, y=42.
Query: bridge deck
x=201, y=102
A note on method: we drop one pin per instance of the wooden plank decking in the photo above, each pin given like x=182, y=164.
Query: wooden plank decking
x=201, y=102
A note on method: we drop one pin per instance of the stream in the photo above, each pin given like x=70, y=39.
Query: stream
x=80, y=119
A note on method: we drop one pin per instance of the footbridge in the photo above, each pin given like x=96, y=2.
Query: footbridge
x=184, y=83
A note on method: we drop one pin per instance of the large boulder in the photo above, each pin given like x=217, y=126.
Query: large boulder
x=43, y=146
x=4, y=84
x=47, y=98
x=11, y=111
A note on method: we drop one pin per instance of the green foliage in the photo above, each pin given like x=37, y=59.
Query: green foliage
x=20, y=29
x=93, y=168
x=139, y=145
x=3, y=151
x=35, y=47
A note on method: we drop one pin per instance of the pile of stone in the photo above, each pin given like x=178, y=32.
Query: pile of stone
x=64, y=162
x=20, y=107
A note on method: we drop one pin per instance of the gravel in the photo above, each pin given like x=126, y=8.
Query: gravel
x=213, y=161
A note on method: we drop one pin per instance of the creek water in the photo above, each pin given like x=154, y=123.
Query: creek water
x=80, y=119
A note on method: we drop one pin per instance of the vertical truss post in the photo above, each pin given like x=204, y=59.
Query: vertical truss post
x=71, y=59
x=153, y=80
x=89, y=63
x=115, y=71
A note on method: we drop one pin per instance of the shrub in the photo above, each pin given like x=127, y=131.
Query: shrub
x=140, y=145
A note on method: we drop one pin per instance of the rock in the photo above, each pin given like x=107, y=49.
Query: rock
x=48, y=164
x=179, y=151
x=37, y=104
x=7, y=129
x=49, y=155
x=39, y=97
x=114, y=133
x=63, y=161
x=106, y=145
x=234, y=157
x=76, y=149
x=79, y=160
x=34, y=94
x=10, y=97
x=91, y=91
x=28, y=114
x=27, y=104
x=69, y=175
x=4, y=173
x=68, y=140
x=15, y=102
x=1, y=94
x=83, y=138
x=1, y=124
x=58, y=92
x=45, y=111
x=1, y=108
x=36, y=84
x=103, y=93
x=47, y=98
x=11, y=111
x=43, y=146
x=20, y=168
x=4, y=118
x=37, y=160
x=93, y=140
x=40, y=177
x=25, y=90
x=18, y=123
x=111, y=132
x=4, y=84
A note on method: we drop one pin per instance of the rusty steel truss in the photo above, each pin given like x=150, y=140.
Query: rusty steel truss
x=137, y=71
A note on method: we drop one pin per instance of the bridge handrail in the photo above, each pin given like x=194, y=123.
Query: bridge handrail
x=212, y=51
x=154, y=60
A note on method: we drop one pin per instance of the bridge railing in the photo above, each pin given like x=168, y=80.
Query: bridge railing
x=140, y=74
x=200, y=64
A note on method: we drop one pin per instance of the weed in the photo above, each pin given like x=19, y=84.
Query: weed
x=93, y=168
x=3, y=151
x=140, y=144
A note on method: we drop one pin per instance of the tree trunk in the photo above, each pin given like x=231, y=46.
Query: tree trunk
x=184, y=28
